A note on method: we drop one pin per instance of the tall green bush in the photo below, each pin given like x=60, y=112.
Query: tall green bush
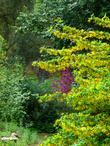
x=15, y=95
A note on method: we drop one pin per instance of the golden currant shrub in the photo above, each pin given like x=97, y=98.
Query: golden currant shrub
x=89, y=124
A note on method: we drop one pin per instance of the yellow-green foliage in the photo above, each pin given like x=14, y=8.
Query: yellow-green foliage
x=90, y=58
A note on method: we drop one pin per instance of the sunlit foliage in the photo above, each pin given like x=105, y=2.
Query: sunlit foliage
x=89, y=58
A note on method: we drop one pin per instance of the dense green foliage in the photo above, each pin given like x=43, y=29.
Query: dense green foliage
x=66, y=10
x=16, y=93
x=13, y=93
x=19, y=94
x=74, y=59
x=9, y=9
x=32, y=27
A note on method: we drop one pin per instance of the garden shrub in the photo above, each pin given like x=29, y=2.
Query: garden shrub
x=11, y=95
x=89, y=57
x=16, y=96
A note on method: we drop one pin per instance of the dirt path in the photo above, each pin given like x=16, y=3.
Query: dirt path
x=41, y=138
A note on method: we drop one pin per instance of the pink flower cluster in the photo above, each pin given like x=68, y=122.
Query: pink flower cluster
x=64, y=84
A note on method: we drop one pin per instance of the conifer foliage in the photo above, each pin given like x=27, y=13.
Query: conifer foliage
x=89, y=58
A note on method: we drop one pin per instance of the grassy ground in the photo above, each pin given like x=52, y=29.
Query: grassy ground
x=27, y=137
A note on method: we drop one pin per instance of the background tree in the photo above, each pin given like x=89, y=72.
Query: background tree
x=8, y=13
x=72, y=12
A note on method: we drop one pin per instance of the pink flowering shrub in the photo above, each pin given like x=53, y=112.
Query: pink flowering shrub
x=64, y=84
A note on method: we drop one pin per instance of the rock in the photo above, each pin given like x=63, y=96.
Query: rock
x=13, y=137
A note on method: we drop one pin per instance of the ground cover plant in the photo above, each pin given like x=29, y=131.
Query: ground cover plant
x=26, y=136
x=89, y=58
